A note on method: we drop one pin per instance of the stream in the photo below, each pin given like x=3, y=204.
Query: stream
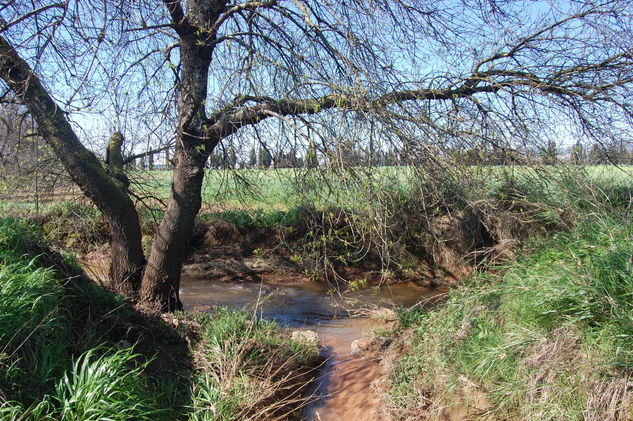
x=344, y=390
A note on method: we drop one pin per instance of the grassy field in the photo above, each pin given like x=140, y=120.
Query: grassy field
x=283, y=189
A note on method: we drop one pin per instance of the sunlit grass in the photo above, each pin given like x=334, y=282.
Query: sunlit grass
x=280, y=188
x=61, y=358
x=541, y=338
x=249, y=370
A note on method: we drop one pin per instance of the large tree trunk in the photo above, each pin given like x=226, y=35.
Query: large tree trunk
x=161, y=280
x=84, y=168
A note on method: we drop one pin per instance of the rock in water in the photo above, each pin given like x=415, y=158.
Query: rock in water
x=359, y=346
x=306, y=336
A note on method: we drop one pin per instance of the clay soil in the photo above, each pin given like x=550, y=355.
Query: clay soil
x=221, y=251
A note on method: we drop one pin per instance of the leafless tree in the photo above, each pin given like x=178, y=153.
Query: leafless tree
x=28, y=167
x=427, y=76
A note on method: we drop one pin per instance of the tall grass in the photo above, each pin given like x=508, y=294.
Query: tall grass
x=31, y=320
x=547, y=337
x=330, y=218
x=64, y=353
x=284, y=188
x=104, y=387
x=39, y=377
x=250, y=371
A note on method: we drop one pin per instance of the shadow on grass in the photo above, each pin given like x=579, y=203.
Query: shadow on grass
x=64, y=339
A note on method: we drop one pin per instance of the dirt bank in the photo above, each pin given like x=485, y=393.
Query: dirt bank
x=447, y=251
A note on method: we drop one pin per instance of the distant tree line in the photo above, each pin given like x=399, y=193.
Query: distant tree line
x=267, y=157
x=608, y=154
x=347, y=155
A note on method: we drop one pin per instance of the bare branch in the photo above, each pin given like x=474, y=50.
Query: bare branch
x=30, y=14
x=238, y=8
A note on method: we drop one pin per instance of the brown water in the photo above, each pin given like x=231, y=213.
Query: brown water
x=345, y=385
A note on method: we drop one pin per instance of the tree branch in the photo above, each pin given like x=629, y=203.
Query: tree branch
x=81, y=164
x=525, y=42
x=181, y=24
x=131, y=158
x=228, y=121
x=34, y=12
x=249, y=5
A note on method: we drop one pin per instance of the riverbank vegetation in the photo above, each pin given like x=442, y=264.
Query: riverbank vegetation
x=392, y=223
x=539, y=327
x=546, y=336
x=70, y=350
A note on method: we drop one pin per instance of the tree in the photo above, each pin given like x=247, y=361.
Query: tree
x=265, y=157
x=252, y=158
x=473, y=72
x=550, y=153
x=579, y=154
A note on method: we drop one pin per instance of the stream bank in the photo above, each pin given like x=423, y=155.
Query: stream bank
x=347, y=386
x=547, y=337
x=74, y=351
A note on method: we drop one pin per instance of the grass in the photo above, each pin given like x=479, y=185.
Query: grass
x=547, y=337
x=102, y=387
x=51, y=367
x=250, y=371
x=265, y=198
x=283, y=189
x=72, y=351
x=391, y=215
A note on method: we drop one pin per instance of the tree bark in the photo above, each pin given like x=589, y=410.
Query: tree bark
x=127, y=262
x=161, y=281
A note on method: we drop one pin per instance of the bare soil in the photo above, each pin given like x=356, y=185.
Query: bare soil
x=221, y=251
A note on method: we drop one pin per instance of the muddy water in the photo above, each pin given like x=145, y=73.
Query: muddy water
x=345, y=383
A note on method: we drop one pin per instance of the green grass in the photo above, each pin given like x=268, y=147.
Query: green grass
x=284, y=188
x=227, y=189
x=62, y=358
x=103, y=387
x=44, y=372
x=250, y=369
x=389, y=207
x=545, y=337
x=270, y=198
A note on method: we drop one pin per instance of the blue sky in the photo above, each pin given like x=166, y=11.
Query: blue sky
x=422, y=53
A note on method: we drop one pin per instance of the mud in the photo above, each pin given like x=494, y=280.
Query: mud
x=222, y=251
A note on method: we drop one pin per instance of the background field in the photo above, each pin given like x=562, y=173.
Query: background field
x=282, y=189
